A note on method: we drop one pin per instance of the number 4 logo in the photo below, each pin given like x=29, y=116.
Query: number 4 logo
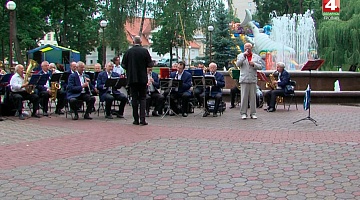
x=331, y=6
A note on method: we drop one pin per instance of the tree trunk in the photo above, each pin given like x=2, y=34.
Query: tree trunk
x=142, y=19
x=64, y=40
x=19, y=57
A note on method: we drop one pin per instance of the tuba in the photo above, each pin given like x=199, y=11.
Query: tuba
x=32, y=64
x=273, y=86
x=230, y=71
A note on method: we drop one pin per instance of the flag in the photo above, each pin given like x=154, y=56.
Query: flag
x=307, y=98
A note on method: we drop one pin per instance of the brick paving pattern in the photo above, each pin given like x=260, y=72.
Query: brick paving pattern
x=184, y=158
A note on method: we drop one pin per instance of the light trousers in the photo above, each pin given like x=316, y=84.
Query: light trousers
x=248, y=96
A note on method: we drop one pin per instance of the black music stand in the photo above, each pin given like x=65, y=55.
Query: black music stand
x=34, y=79
x=204, y=81
x=170, y=84
x=4, y=80
x=65, y=76
x=310, y=65
x=56, y=77
x=43, y=79
x=121, y=82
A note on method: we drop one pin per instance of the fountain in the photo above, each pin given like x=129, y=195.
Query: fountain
x=298, y=32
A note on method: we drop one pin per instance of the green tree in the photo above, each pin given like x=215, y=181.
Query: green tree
x=339, y=40
x=224, y=48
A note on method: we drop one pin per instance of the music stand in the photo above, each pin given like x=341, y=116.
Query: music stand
x=204, y=81
x=56, y=77
x=310, y=65
x=34, y=79
x=121, y=82
x=65, y=76
x=169, y=84
x=43, y=79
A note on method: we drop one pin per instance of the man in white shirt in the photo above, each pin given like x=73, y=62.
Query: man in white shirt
x=117, y=67
x=18, y=92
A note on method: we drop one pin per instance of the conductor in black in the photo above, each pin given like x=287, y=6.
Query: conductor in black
x=136, y=60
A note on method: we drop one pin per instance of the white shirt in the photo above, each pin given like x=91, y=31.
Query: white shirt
x=47, y=85
x=118, y=69
x=151, y=86
x=16, y=82
x=278, y=87
x=82, y=80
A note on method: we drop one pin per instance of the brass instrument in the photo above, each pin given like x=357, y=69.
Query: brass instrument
x=237, y=84
x=273, y=86
x=32, y=64
x=54, y=87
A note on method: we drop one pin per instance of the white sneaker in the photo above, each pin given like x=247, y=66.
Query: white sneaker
x=253, y=116
x=243, y=116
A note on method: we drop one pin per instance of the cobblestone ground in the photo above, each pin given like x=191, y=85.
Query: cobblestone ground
x=184, y=158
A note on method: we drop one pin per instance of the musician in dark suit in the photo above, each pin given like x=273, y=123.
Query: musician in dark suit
x=135, y=61
x=109, y=94
x=153, y=94
x=44, y=90
x=79, y=88
x=183, y=93
x=283, y=80
x=198, y=90
x=214, y=91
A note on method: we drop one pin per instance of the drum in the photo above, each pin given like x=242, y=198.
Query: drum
x=164, y=72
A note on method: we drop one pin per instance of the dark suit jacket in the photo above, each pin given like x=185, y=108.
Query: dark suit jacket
x=74, y=87
x=284, y=79
x=42, y=88
x=135, y=61
x=186, y=84
x=220, y=83
x=101, y=80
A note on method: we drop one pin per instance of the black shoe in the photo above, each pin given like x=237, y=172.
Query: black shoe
x=206, y=114
x=76, y=117
x=119, y=116
x=46, y=114
x=143, y=123
x=109, y=117
x=59, y=112
x=1, y=119
x=271, y=110
x=232, y=106
x=266, y=109
x=215, y=115
x=184, y=114
x=155, y=114
x=87, y=116
x=21, y=117
x=35, y=115
x=135, y=122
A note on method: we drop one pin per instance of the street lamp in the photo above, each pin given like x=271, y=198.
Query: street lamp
x=10, y=5
x=189, y=56
x=210, y=29
x=103, y=24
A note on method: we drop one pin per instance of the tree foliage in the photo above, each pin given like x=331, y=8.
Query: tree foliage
x=224, y=48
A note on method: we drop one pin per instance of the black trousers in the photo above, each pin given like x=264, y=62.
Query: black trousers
x=197, y=92
x=271, y=95
x=90, y=101
x=19, y=97
x=175, y=97
x=217, y=98
x=159, y=100
x=109, y=98
x=61, y=100
x=233, y=92
x=44, y=100
x=138, y=93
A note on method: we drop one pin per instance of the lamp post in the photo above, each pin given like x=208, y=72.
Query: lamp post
x=189, y=56
x=10, y=5
x=103, y=24
x=210, y=29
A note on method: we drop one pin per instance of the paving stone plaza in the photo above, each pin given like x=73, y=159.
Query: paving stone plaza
x=184, y=158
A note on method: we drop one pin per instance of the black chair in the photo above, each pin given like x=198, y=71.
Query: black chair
x=289, y=95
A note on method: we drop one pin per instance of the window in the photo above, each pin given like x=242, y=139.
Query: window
x=91, y=61
x=49, y=36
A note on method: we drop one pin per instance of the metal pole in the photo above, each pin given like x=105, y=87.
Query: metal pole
x=10, y=39
x=210, y=46
x=103, y=48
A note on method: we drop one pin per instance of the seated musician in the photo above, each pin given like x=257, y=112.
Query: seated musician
x=183, y=93
x=153, y=94
x=117, y=67
x=109, y=94
x=214, y=91
x=283, y=80
x=73, y=68
x=44, y=90
x=17, y=86
x=199, y=89
x=233, y=92
x=60, y=94
x=79, y=88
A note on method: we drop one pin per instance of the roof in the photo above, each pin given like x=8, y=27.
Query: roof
x=132, y=28
x=49, y=47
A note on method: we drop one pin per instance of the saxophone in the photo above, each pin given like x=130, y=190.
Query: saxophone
x=230, y=71
x=54, y=87
x=271, y=84
x=32, y=64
